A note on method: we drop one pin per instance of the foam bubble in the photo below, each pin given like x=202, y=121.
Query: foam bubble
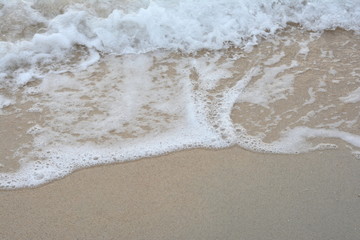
x=103, y=81
x=148, y=26
x=270, y=88
x=5, y=102
x=298, y=136
x=353, y=97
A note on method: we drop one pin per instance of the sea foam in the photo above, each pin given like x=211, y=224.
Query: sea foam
x=32, y=37
x=112, y=81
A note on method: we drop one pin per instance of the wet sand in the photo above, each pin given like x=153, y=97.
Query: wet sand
x=197, y=194
x=74, y=94
x=203, y=194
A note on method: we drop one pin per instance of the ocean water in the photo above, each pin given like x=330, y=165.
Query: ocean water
x=84, y=83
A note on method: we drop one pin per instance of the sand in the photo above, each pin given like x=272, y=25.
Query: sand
x=196, y=194
x=203, y=194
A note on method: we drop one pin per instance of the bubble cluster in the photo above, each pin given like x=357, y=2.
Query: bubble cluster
x=96, y=82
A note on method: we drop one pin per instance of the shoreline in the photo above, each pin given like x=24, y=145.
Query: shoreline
x=123, y=107
x=195, y=194
x=182, y=120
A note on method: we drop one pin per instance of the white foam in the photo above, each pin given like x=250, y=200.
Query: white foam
x=353, y=97
x=148, y=26
x=105, y=101
x=312, y=96
x=24, y=77
x=296, y=140
x=270, y=88
x=274, y=59
x=298, y=136
x=5, y=102
x=93, y=58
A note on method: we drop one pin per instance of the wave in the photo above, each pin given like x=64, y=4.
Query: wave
x=38, y=33
x=95, y=82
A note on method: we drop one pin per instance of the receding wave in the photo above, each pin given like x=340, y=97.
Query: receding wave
x=84, y=83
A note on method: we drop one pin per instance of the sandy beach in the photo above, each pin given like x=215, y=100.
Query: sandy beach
x=156, y=120
x=196, y=194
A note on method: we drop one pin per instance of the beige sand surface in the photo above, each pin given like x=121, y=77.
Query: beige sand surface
x=197, y=194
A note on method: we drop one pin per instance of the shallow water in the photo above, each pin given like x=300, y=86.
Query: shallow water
x=92, y=83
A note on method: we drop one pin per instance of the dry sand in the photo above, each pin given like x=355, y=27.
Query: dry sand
x=197, y=194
